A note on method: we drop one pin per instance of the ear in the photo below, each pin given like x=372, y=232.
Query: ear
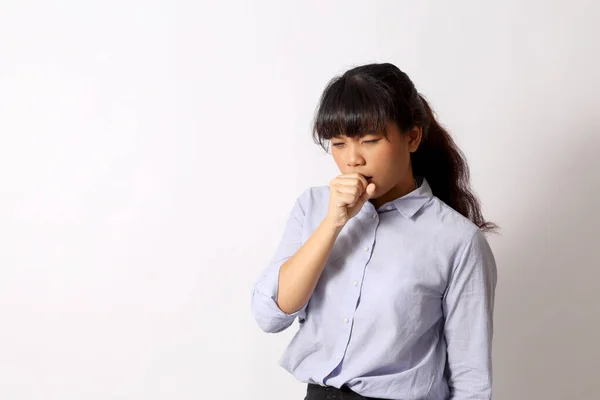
x=414, y=136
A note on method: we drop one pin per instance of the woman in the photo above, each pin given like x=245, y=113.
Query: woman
x=387, y=268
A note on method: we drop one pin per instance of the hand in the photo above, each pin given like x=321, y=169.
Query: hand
x=347, y=194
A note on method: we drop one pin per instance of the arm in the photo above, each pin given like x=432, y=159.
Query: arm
x=468, y=306
x=283, y=290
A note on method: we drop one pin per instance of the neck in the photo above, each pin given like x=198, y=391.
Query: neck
x=401, y=189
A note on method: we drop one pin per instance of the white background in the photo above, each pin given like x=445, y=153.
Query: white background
x=151, y=150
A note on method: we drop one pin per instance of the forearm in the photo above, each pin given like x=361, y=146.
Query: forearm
x=299, y=275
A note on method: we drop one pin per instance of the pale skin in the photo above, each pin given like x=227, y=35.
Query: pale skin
x=386, y=164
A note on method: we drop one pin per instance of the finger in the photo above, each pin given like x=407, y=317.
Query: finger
x=349, y=189
x=344, y=199
x=355, y=178
x=364, y=181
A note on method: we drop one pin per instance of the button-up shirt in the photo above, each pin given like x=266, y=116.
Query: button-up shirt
x=403, y=308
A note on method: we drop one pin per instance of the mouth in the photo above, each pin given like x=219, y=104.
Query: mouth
x=368, y=178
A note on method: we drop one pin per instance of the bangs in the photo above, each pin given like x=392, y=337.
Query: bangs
x=352, y=107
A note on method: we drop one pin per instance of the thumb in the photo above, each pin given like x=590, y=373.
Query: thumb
x=368, y=193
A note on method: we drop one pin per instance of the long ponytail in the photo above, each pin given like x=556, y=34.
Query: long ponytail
x=443, y=164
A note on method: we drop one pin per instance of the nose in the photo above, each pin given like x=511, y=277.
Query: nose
x=354, y=157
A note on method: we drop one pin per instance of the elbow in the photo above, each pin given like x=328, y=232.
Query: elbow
x=270, y=325
x=268, y=316
x=269, y=322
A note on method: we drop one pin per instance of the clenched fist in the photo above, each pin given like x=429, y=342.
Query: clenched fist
x=347, y=194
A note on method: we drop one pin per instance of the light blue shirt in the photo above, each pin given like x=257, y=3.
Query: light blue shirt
x=403, y=308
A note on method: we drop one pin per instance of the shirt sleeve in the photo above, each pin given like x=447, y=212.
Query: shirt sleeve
x=267, y=313
x=468, y=306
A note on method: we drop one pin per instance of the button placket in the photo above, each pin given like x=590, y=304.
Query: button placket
x=352, y=296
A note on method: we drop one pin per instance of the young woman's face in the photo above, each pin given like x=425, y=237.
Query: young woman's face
x=385, y=162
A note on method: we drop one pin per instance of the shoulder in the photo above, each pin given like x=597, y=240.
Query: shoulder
x=451, y=226
x=310, y=207
x=312, y=196
x=463, y=242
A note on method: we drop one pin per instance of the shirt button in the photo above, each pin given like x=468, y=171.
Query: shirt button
x=346, y=320
x=355, y=283
x=367, y=248
x=375, y=215
x=389, y=208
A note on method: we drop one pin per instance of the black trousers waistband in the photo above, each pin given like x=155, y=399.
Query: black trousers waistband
x=317, y=392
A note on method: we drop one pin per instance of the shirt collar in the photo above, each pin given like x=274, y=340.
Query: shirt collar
x=409, y=204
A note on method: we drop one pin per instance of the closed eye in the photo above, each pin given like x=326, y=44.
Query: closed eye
x=366, y=141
